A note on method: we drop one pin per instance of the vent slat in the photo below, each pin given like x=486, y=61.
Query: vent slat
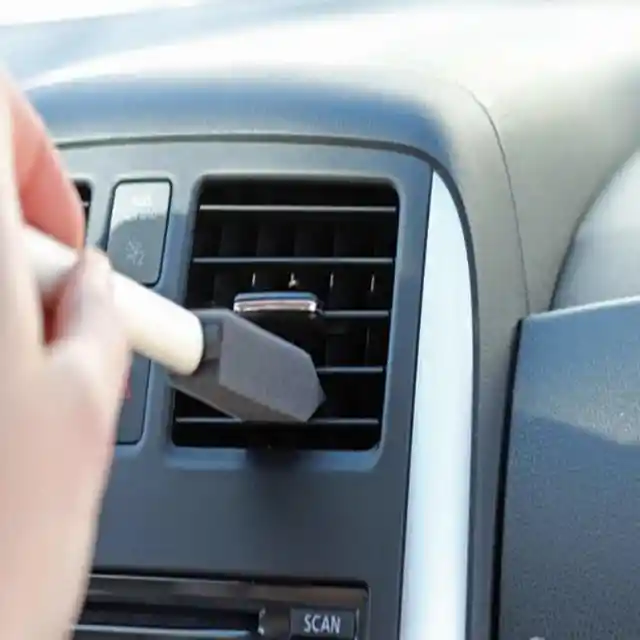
x=335, y=240
x=224, y=421
x=267, y=209
x=349, y=371
x=293, y=261
x=356, y=314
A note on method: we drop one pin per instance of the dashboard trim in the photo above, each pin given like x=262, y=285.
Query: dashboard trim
x=162, y=509
x=434, y=586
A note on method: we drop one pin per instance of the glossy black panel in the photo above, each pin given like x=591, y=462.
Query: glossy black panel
x=146, y=607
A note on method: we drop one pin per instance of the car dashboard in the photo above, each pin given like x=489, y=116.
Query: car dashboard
x=424, y=172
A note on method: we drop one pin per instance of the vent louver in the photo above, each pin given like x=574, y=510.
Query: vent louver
x=336, y=240
x=84, y=191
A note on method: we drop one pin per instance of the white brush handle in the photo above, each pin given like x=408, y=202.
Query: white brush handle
x=156, y=327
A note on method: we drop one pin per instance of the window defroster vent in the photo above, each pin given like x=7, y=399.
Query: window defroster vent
x=335, y=240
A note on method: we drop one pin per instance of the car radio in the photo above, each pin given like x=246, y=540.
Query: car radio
x=126, y=607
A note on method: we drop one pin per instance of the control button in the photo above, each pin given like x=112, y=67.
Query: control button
x=322, y=623
x=133, y=407
x=137, y=229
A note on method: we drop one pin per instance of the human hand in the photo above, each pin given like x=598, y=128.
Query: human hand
x=62, y=376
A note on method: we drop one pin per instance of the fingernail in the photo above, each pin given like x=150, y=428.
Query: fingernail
x=98, y=269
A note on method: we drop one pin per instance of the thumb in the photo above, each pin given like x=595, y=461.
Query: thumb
x=89, y=350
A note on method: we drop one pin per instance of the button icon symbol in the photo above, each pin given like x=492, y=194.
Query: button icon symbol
x=134, y=252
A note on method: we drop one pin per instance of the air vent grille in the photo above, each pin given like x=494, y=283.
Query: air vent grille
x=84, y=191
x=336, y=240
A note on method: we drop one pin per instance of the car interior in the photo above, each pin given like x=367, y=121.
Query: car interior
x=457, y=188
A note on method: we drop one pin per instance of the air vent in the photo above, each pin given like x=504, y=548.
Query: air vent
x=84, y=191
x=335, y=240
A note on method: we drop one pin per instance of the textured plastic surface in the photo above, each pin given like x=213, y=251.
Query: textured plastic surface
x=603, y=262
x=352, y=93
x=572, y=505
x=251, y=374
x=132, y=413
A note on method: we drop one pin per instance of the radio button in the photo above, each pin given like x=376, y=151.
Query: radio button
x=333, y=624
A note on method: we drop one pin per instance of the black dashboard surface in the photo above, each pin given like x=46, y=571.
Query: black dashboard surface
x=523, y=141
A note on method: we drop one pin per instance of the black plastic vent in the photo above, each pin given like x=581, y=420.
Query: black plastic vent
x=336, y=240
x=84, y=191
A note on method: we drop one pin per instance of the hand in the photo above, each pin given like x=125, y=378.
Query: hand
x=62, y=376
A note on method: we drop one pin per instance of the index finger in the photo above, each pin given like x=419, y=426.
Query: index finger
x=49, y=200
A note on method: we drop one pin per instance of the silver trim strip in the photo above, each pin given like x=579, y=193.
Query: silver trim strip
x=434, y=587
x=276, y=305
